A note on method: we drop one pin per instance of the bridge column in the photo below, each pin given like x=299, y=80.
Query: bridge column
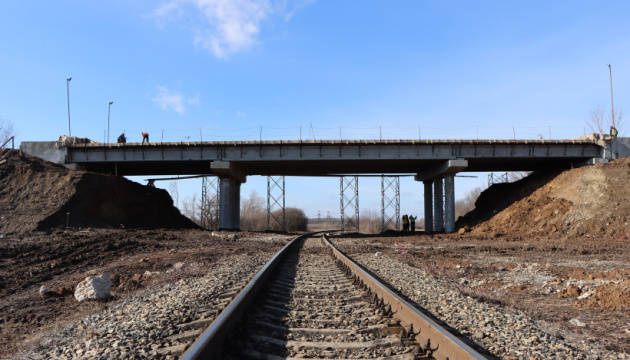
x=229, y=204
x=449, y=199
x=447, y=171
x=438, y=205
x=428, y=206
x=230, y=180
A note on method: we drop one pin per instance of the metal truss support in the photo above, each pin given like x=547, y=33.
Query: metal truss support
x=390, y=203
x=497, y=179
x=275, y=201
x=210, y=196
x=349, y=203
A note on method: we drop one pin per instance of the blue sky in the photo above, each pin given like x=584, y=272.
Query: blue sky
x=233, y=70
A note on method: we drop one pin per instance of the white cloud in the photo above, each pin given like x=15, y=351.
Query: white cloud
x=168, y=100
x=227, y=26
x=288, y=8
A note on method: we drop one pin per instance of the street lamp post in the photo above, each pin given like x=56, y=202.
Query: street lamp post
x=612, y=104
x=68, y=91
x=108, y=110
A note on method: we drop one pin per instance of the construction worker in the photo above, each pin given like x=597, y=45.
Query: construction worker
x=145, y=136
x=122, y=139
x=405, y=221
x=613, y=132
x=412, y=222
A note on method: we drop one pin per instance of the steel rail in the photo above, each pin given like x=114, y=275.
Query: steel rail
x=210, y=344
x=449, y=347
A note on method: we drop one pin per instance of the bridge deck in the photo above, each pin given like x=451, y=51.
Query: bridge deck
x=330, y=157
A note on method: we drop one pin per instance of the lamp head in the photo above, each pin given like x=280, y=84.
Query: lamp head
x=69, y=78
x=111, y=102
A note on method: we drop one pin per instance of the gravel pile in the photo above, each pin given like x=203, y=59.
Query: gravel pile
x=138, y=327
x=506, y=333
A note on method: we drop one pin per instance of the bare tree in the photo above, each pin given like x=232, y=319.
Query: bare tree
x=467, y=204
x=172, y=186
x=518, y=175
x=189, y=208
x=618, y=122
x=598, y=120
x=595, y=120
x=6, y=130
x=295, y=219
x=370, y=222
x=253, y=213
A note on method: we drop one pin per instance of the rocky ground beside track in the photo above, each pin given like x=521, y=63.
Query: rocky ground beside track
x=574, y=291
x=555, y=247
x=136, y=260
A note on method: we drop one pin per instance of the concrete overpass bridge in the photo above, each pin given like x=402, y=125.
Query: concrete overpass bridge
x=434, y=162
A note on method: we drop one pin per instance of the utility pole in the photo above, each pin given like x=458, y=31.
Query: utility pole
x=68, y=91
x=108, y=110
x=612, y=103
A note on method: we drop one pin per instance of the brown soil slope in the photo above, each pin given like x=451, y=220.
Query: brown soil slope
x=38, y=195
x=592, y=201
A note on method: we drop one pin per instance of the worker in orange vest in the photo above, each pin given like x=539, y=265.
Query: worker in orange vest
x=145, y=136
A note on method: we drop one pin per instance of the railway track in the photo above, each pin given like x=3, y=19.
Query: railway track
x=310, y=301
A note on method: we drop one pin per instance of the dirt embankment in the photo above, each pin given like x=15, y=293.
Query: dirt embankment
x=38, y=195
x=589, y=202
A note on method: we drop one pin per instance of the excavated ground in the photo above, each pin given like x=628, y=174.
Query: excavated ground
x=554, y=245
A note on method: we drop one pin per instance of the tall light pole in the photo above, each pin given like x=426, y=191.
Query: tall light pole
x=108, y=109
x=611, y=97
x=68, y=90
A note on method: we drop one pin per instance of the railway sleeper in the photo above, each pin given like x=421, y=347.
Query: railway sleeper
x=325, y=301
x=326, y=345
x=251, y=354
x=380, y=330
x=310, y=309
x=346, y=308
x=308, y=315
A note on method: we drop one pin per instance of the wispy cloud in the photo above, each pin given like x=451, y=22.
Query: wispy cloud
x=227, y=26
x=288, y=8
x=168, y=100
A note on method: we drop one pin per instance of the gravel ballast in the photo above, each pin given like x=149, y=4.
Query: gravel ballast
x=139, y=327
x=506, y=333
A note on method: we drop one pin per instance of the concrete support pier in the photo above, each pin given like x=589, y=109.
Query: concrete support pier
x=434, y=176
x=428, y=206
x=438, y=205
x=230, y=180
x=449, y=203
x=229, y=204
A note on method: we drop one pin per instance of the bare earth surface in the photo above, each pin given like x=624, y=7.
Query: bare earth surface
x=555, y=246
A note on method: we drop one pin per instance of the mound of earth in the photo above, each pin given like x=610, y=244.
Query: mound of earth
x=39, y=195
x=591, y=201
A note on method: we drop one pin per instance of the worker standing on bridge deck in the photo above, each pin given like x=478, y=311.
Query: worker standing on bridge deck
x=613, y=132
x=412, y=222
x=145, y=136
x=122, y=139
